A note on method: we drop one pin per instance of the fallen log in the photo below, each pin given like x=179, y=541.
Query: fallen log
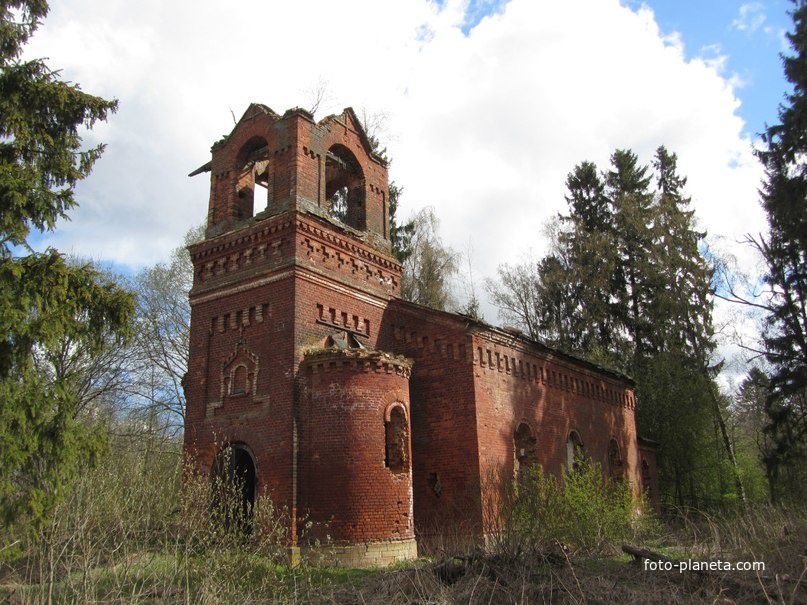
x=642, y=553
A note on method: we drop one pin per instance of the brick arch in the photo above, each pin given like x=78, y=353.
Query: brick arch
x=241, y=356
x=346, y=130
x=395, y=404
x=234, y=485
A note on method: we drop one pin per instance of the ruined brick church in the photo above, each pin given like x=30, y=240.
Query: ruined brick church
x=374, y=419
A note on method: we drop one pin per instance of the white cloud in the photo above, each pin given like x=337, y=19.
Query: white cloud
x=752, y=17
x=485, y=126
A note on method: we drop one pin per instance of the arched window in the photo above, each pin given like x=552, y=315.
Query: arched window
x=614, y=459
x=397, y=439
x=524, y=446
x=575, y=454
x=344, y=187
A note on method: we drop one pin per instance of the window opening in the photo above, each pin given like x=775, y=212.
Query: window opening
x=338, y=204
x=575, y=454
x=524, y=446
x=646, y=478
x=252, y=165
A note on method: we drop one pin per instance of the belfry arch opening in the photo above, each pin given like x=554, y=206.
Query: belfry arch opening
x=344, y=187
x=252, y=184
x=233, y=487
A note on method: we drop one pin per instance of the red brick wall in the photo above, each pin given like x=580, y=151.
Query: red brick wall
x=347, y=493
x=472, y=386
x=553, y=395
x=261, y=320
x=444, y=440
x=649, y=484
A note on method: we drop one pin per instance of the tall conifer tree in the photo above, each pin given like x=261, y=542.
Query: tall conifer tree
x=45, y=302
x=784, y=198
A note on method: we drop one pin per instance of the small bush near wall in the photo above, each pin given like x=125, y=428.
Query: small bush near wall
x=586, y=512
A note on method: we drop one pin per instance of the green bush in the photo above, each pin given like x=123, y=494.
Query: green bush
x=585, y=512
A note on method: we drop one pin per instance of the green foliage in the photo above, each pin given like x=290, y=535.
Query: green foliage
x=49, y=308
x=677, y=411
x=784, y=250
x=41, y=159
x=584, y=511
x=400, y=234
x=600, y=511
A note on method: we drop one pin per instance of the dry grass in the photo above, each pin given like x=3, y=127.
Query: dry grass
x=126, y=535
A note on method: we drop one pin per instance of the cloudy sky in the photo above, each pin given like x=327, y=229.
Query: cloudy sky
x=488, y=104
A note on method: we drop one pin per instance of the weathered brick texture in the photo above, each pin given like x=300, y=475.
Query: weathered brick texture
x=371, y=419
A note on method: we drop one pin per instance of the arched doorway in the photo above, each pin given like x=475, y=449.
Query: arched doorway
x=233, y=486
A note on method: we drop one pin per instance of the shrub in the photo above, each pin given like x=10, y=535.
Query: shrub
x=586, y=512
x=140, y=526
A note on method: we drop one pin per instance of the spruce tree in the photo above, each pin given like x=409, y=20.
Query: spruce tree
x=784, y=199
x=680, y=301
x=45, y=301
x=628, y=189
x=590, y=259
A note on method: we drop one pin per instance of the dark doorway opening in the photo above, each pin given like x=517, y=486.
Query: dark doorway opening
x=233, y=485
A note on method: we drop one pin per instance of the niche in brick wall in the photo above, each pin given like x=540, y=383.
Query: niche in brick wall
x=614, y=459
x=575, y=453
x=396, y=430
x=239, y=377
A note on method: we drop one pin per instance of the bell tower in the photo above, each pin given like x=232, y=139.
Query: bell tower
x=291, y=284
x=271, y=164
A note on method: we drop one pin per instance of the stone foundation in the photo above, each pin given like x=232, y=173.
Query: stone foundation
x=373, y=554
